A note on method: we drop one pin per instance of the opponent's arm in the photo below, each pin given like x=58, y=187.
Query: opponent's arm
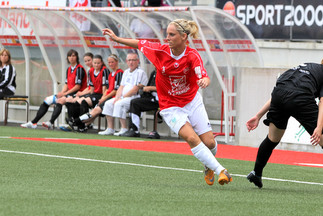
x=126, y=41
x=254, y=121
x=317, y=134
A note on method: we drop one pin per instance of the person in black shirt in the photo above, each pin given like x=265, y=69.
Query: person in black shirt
x=7, y=75
x=76, y=80
x=148, y=101
x=294, y=95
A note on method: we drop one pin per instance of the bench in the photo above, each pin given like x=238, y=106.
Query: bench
x=19, y=98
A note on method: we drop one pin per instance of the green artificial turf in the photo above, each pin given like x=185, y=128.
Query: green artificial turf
x=86, y=182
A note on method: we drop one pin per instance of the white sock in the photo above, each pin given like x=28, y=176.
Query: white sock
x=204, y=154
x=215, y=149
x=85, y=116
x=135, y=120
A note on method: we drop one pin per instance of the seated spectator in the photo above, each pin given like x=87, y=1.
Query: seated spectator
x=114, y=80
x=148, y=101
x=76, y=80
x=7, y=75
x=70, y=101
x=98, y=82
x=133, y=79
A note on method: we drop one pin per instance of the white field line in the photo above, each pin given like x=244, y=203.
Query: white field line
x=143, y=165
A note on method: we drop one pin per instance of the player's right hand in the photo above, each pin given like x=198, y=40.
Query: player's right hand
x=252, y=123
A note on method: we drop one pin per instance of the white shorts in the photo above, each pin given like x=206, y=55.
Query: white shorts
x=194, y=113
x=118, y=109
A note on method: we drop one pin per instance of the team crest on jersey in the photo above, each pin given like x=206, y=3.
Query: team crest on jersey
x=176, y=65
x=143, y=41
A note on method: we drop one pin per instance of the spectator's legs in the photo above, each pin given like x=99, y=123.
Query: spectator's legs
x=121, y=107
x=137, y=106
x=41, y=112
x=57, y=111
x=108, y=111
x=84, y=108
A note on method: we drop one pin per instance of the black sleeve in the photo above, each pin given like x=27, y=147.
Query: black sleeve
x=80, y=74
x=118, y=80
x=6, y=78
x=105, y=77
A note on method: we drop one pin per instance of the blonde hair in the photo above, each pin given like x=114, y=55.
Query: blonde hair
x=114, y=56
x=322, y=61
x=186, y=26
x=9, y=56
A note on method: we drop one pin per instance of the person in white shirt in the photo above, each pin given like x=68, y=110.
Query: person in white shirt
x=133, y=79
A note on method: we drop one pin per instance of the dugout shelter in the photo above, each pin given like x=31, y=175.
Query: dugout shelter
x=39, y=38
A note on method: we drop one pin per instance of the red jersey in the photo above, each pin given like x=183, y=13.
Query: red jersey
x=114, y=80
x=176, y=79
x=98, y=80
x=77, y=76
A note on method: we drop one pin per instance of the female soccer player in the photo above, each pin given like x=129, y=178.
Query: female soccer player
x=180, y=73
x=294, y=95
x=114, y=80
x=76, y=80
x=7, y=74
x=73, y=108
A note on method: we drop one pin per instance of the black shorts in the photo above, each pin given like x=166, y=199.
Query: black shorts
x=95, y=97
x=85, y=96
x=70, y=95
x=287, y=102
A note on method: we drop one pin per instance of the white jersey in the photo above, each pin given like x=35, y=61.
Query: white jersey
x=131, y=79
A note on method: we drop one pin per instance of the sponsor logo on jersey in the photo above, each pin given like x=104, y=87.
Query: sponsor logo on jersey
x=179, y=85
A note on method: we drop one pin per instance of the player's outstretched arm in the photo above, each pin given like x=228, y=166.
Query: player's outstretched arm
x=126, y=41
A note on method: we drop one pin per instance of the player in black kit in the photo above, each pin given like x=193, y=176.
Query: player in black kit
x=294, y=95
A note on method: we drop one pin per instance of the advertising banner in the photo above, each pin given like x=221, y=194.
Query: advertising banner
x=81, y=22
x=20, y=19
x=279, y=19
x=50, y=3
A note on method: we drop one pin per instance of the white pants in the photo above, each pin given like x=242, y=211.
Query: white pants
x=118, y=109
x=194, y=112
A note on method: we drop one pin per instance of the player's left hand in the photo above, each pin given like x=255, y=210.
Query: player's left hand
x=204, y=82
x=110, y=33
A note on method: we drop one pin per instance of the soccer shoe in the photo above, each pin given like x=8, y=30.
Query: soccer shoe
x=131, y=133
x=224, y=177
x=47, y=125
x=153, y=135
x=66, y=128
x=29, y=125
x=208, y=176
x=82, y=129
x=108, y=131
x=254, y=179
x=121, y=132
